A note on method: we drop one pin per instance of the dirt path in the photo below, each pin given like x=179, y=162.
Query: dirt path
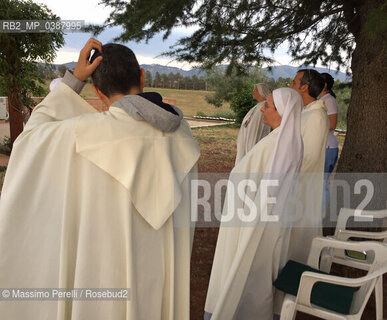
x=193, y=123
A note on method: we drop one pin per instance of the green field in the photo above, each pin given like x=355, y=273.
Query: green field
x=189, y=101
x=192, y=101
x=217, y=147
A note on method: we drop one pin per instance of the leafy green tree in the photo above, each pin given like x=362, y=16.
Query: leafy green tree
x=157, y=82
x=242, y=101
x=2, y=87
x=46, y=71
x=171, y=80
x=283, y=82
x=148, y=79
x=18, y=55
x=343, y=95
x=187, y=83
x=195, y=81
x=178, y=80
x=202, y=83
x=342, y=32
x=62, y=70
x=226, y=85
x=164, y=80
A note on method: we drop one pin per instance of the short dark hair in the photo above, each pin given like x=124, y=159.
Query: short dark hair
x=314, y=80
x=329, y=81
x=118, y=71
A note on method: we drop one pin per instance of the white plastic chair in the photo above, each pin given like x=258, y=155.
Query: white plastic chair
x=342, y=233
x=341, y=256
x=377, y=268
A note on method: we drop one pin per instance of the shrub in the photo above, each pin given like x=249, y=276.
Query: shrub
x=242, y=101
x=343, y=95
x=6, y=146
x=200, y=114
x=228, y=114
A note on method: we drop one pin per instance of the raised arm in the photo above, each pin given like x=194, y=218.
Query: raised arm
x=64, y=102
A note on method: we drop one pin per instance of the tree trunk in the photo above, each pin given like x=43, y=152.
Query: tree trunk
x=365, y=147
x=15, y=114
x=15, y=107
x=14, y=98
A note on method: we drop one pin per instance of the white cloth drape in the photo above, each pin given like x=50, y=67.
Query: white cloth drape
x=309, y=192
x=249, y=255
x=289, y=145
x=251, y=131
x=90, y=200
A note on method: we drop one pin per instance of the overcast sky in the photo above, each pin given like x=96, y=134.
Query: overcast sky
x=90, y=11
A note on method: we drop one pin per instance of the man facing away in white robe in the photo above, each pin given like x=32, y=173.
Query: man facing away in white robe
x=100, y=200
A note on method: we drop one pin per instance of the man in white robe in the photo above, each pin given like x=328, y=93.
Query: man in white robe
x=252, y=128
x=315, y=128
x=100, y=200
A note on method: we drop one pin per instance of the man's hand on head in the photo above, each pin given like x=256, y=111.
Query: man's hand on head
x=84, y=68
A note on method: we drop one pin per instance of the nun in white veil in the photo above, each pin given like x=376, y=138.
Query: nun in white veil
x=250, y=254
x=252, y=128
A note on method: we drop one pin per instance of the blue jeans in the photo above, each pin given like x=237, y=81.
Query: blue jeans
x=331, y=155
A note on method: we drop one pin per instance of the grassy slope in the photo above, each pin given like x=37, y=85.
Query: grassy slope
x=189, y=101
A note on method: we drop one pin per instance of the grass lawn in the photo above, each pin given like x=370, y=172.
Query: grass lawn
x=189, y=101
x=217, y=147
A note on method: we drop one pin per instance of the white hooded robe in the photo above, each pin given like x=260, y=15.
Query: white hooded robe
x=252, y=130
x=314, y=130
x=97, y=200
x=239, y=246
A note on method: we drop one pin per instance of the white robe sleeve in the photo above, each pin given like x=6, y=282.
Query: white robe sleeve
x=60, y=104
x=314, y=133
x=314, y=127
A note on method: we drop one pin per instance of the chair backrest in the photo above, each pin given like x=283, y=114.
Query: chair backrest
x=342, y=233
x=364, y=215
x=379, y=252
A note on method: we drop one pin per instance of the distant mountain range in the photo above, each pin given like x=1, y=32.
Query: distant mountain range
x=290, y=71
x=276, y=72
x=153, y=68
